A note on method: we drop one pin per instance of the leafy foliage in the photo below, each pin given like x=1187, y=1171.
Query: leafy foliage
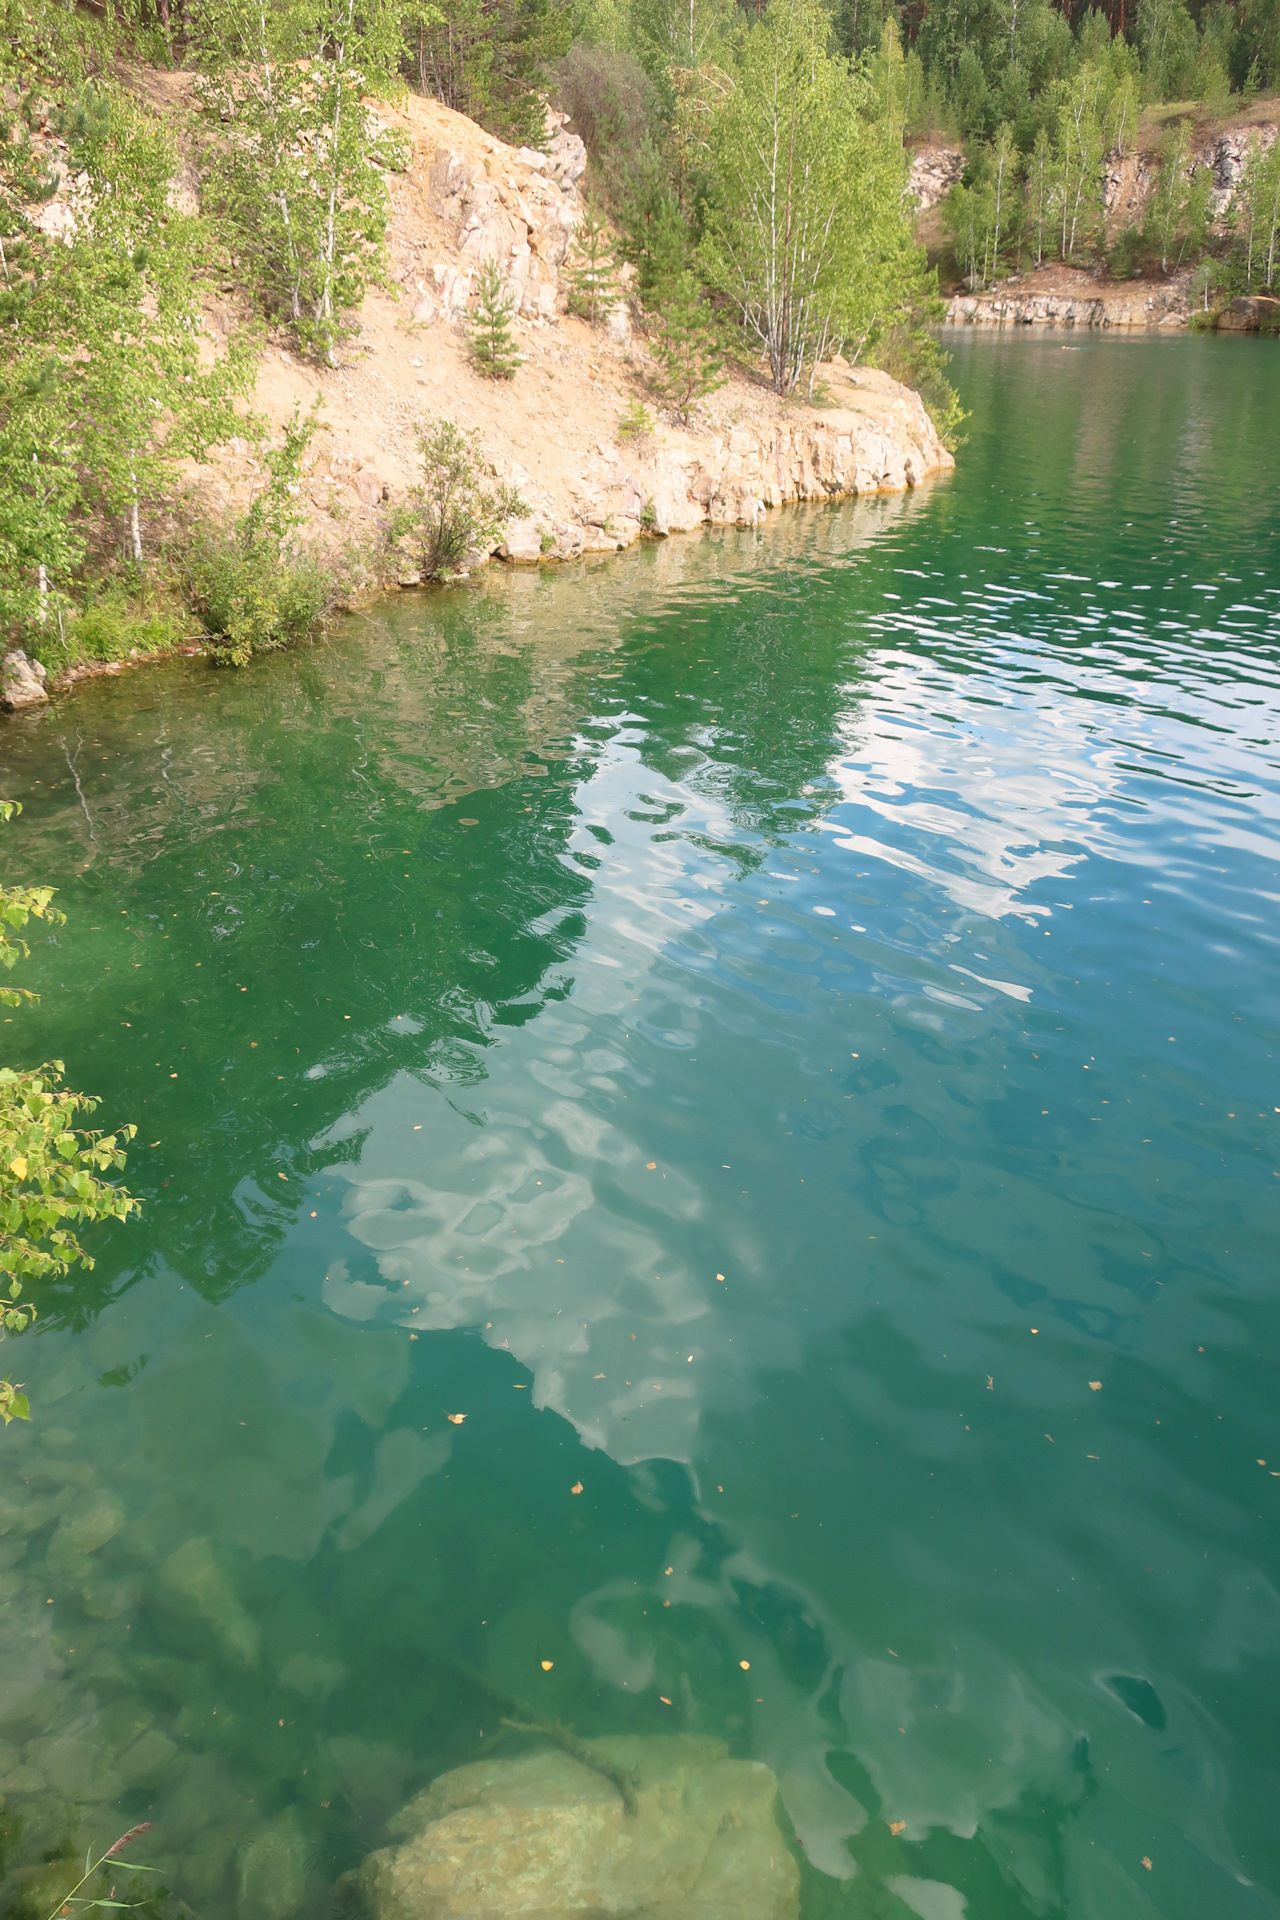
x=636, y=426
x=491, y=59
x=686, y=346
x=805, y=230
x=298, y=160
x=252, y=583
x=50, y=1168
x=1179, y=208
x=457, y=506
x=1257, y=219
x=592, y=271
x=107, y=382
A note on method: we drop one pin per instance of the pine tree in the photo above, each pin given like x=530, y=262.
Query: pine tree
x=593, y=280
x=492, y=347
x=686, y=348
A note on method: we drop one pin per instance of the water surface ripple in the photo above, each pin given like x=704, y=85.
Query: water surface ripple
x=779, y=1033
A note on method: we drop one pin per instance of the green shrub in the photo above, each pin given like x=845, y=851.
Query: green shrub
x=456, y=507
x=493, y=347
x=636, y=426
x=253, y=585
x=117, y=622
x=252, y=599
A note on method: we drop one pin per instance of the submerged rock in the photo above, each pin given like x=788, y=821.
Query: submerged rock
x=193, y=1590
x=271, y=1870
x=543, y=1835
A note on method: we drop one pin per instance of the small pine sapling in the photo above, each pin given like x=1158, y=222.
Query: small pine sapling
x=636, y=426
x=493, y=347
x=593, y=277
x=687, y=347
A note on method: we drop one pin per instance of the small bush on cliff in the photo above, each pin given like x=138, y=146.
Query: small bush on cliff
x=493, y=348
x=253, y=585
x=687, y=347
x=456, y=507
x=635, y=429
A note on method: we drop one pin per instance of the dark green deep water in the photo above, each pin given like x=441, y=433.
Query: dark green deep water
x=878, y=911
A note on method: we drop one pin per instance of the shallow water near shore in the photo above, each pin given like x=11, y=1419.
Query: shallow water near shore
x=710, y=1120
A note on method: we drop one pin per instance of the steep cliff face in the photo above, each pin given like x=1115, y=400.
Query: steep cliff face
x=463, y=199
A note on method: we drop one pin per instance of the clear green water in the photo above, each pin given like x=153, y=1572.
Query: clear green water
x=878, y=912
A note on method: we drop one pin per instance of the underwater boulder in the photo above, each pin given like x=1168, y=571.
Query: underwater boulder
x=194, y=1593
x=271, y=1869
x=544, y=1834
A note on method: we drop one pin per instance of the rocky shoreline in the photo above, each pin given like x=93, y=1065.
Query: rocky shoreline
x=1138, y=306
x=556, y=431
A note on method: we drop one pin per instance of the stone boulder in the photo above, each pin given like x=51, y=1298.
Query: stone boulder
x=934, y=171
x=1251, y=313
x=544, y=1837
x=192, y=1591
x=521, y=543
x=21, y=681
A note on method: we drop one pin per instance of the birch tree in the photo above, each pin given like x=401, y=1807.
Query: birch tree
x=807, y=223
x=1256, y=216
x=298, y=160
x=108, y=378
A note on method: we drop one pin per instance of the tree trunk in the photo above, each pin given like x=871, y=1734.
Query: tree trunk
x=135, y=529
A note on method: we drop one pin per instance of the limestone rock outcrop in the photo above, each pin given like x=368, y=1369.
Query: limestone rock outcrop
x=524, y=220
x=21, y=681
x=1161, y=306
x=543, y=1837
x=934, y=171
x=880, y=440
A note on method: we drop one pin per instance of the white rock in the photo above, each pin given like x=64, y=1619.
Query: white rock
x=21, y=681
x=521, y=542
x=545, y=1837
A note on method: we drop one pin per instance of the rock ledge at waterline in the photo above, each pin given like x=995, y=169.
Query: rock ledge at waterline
x=543, y=1836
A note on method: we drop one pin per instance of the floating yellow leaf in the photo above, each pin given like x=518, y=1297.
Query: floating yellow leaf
x=897, y=1826
x=1095, y=1386
x=664, y=1699
x=576, y=1487
x=547, y=1665
x=1146, y=1862
x=745, y=1665
x=455, y=1419
x=650, y=1166
x=719, y=1276
x=282, y=1176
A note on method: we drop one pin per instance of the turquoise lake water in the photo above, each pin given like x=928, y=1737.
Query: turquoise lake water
x=778, y=1031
